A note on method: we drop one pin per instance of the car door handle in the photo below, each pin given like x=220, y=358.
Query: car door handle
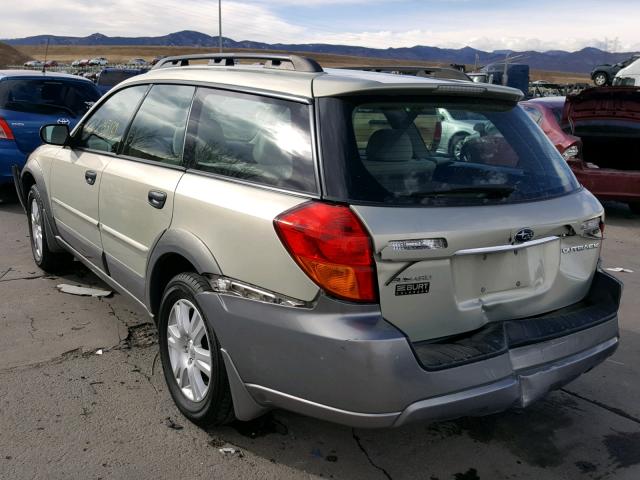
x=157, y=199
x=90, y=177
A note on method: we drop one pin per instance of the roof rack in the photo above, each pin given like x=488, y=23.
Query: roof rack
x=417, y=70
x=299, y=64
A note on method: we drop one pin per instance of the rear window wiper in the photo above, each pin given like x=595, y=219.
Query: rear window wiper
x=486, y=191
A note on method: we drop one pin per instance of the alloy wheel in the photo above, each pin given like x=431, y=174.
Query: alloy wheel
x=600, y=80
x=189, y=350
x=36, y=229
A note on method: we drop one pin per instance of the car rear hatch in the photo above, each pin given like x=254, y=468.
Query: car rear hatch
x=608, y=122
x=611, y=104
x=504, y=233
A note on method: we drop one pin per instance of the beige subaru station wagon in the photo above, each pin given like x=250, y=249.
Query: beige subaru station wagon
x=302, y=241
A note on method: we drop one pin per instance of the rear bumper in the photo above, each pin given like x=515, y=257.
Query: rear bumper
x=343, y=363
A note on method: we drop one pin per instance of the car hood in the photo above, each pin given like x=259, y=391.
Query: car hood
x=604, y=103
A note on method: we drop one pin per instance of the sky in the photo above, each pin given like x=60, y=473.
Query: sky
x=484, y=24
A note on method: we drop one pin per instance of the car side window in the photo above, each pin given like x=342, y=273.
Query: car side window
x=251, y=137
x=103, y=131
x=158, y=129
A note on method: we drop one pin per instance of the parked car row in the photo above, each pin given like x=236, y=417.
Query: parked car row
x=89, y=62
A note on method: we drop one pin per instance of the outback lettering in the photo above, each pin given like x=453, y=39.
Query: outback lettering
x=580, y=248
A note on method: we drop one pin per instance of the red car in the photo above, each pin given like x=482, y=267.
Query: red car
x=604, y=142
x=547, y=112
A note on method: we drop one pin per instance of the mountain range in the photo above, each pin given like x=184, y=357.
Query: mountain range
x=581, y=61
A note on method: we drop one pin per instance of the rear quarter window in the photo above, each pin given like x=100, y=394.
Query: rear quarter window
x=253, y=138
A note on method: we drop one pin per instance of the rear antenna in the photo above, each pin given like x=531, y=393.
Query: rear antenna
x=46, y=52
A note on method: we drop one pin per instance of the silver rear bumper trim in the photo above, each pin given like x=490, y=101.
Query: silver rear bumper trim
x=507, y=248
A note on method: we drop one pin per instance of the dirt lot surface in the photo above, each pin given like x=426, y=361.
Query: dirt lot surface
x=67, y=412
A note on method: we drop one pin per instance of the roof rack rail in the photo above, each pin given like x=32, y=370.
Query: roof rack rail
x=299, y=64
x=417, y=70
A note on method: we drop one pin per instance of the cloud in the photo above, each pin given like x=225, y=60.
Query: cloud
x=370, y=23
x=143, y=18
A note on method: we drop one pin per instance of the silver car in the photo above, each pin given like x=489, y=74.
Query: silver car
x=457, y=126
x=300, y=245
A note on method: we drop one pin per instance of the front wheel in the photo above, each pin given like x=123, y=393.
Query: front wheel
x=47, y=260
x=190, y=352
x=600, y=79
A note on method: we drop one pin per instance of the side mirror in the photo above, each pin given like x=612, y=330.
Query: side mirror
x=55, y=134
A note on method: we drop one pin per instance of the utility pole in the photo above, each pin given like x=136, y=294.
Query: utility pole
x=505, y=74
x=220, y=24
x=46, y=52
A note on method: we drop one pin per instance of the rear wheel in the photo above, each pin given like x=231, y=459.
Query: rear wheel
x=190, y=352
x=600, y=79
x=45, y=259
x=635, y=207
x=455, y=145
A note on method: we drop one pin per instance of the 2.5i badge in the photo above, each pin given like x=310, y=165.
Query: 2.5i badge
x=412, y=288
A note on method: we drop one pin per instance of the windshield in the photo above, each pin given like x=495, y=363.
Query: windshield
x=47, y=96
x=396, y=151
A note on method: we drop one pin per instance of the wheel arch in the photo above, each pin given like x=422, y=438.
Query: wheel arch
x=176, y=251
x=32, y=175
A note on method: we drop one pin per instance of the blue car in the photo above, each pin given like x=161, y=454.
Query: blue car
x=31, y=99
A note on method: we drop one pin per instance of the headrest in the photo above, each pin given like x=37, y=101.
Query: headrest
x=389, y=145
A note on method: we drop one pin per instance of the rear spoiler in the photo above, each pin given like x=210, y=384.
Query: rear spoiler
x=463, y=89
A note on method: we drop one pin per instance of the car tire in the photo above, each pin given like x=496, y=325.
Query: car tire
x=635, y=207
x=455, y=145
x=601, y=79
x=189, y=349
x=49, y=261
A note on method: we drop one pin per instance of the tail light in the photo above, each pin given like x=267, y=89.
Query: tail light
x=332, y=247
x=572, y=151
x=593, y=227
x=437, y=136
x=5, y=130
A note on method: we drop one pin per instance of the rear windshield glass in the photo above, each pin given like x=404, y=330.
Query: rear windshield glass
x=425, y=151
x=47, y=96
